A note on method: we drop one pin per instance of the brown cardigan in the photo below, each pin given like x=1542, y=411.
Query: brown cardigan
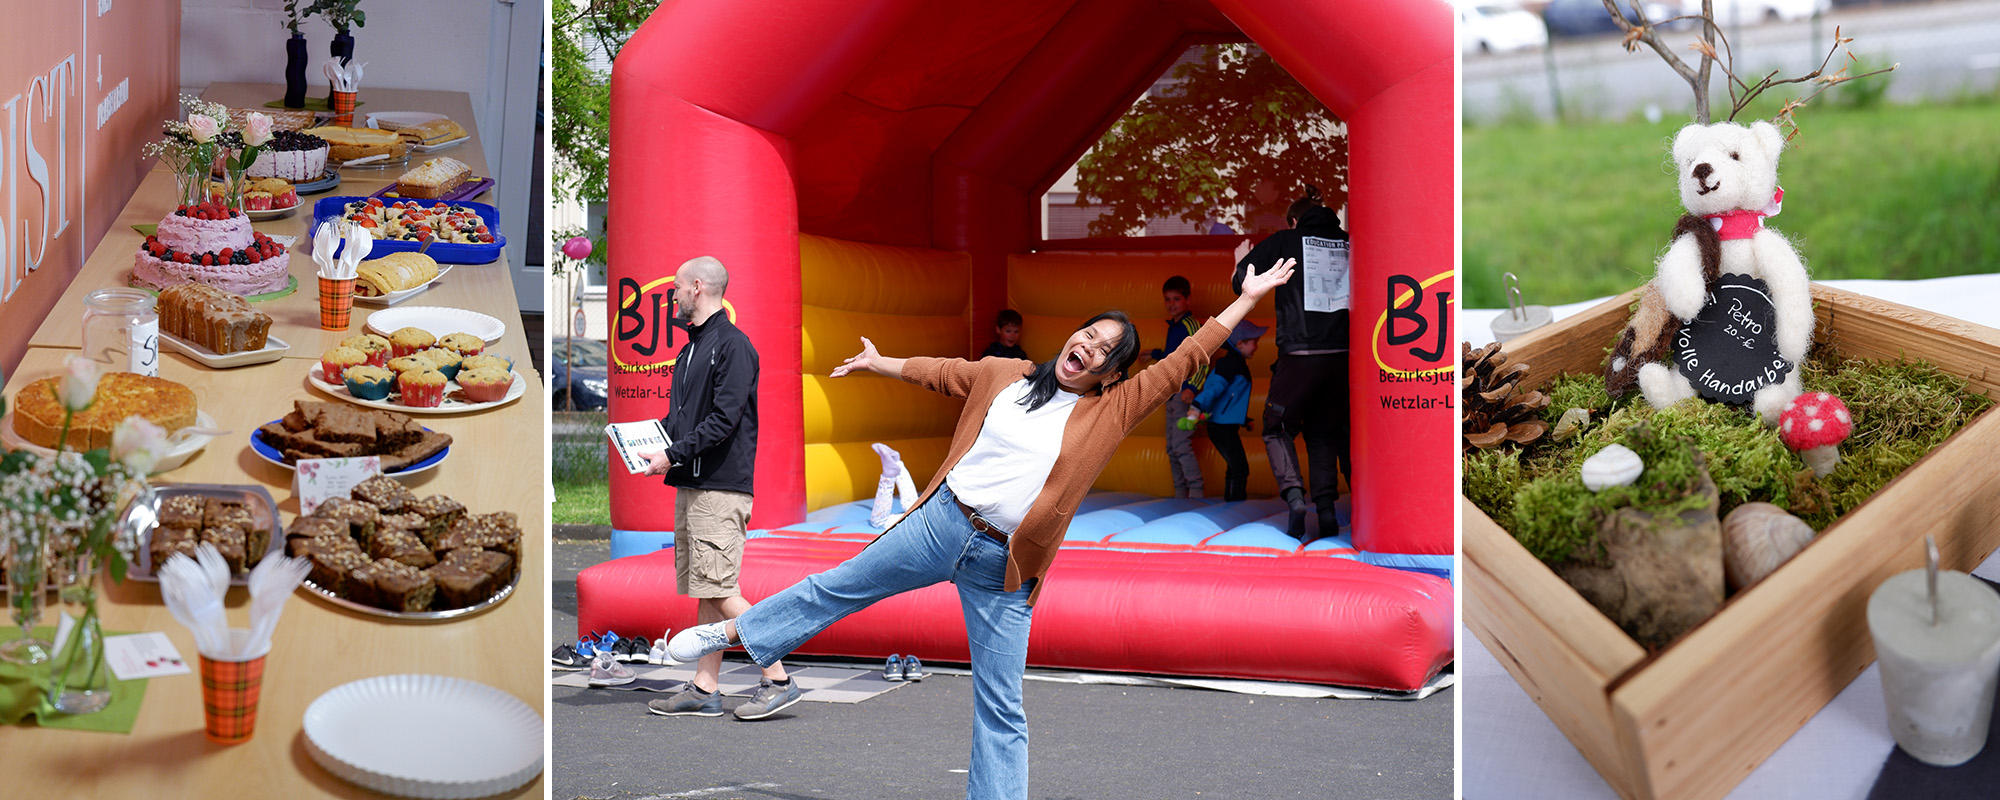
x=1095, y=427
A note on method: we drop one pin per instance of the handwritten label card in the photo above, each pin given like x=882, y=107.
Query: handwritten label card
x=321, y=479
x=143, y=655
x=1730, y=350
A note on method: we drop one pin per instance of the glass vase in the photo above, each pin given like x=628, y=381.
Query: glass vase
x=232, y=182
x=27, y=596
x=191, y=179
x=79, y=680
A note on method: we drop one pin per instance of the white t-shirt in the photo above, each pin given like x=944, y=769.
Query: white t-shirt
x=1003, y=473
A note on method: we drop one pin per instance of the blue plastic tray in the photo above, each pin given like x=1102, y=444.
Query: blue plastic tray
x=327, y=208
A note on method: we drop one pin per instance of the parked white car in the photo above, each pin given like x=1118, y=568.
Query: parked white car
x=1498, y=26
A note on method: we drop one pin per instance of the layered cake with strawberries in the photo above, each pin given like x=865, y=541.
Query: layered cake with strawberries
x=296, y=157
x=214, y=245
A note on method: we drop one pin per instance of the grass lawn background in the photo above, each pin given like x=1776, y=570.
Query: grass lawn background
x=1582, y=210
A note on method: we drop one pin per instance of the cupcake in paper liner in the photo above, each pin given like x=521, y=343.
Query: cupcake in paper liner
x=333, y=363
x=464, y=344
x=485, y=385
x=422, y=389
x=369, y=382
x=410, y=363
x=485, y=361
x=374, y=347
x=445, y=360
x=410, y=340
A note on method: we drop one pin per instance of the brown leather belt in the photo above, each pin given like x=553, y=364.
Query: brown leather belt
x=980, y=524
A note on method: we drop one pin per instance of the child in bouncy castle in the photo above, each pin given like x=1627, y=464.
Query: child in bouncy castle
x=1006, y=337
x=1224, y=402
x=1180, y=441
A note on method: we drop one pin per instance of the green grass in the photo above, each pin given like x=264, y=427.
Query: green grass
x=582, y=503
x=1582, y=210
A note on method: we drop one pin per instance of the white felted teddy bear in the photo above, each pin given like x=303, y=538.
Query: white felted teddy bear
x=1728, y=183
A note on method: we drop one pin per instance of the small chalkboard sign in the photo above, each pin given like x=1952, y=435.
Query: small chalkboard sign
x=1730, y=350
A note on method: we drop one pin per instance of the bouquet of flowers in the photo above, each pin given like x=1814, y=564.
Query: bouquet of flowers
x=191, y=148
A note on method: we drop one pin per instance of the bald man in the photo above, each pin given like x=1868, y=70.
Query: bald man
x=713, y=426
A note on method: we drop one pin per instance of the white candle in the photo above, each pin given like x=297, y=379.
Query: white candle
x=1937, y=675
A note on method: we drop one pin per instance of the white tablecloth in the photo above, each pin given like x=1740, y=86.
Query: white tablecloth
x=1511, y=750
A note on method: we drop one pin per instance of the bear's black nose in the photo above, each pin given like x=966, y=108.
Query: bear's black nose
x=1702, y=170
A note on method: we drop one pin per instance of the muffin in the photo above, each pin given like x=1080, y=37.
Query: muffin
x=422, y=389
x=484, y=361
x=409, y=340
x=445, y=360
x=485, y=385
x=410, y=363
x=333, y=363
x=370, y=382
x=464, y=344
x=375, y=347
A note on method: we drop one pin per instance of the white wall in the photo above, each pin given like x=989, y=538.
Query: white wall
x=470, y=46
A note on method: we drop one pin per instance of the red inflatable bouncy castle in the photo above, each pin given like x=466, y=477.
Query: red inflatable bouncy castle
x=875, y=166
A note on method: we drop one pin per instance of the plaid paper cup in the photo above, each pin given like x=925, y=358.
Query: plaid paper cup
x=336, y=303
x=343, y=108
x=229, y=692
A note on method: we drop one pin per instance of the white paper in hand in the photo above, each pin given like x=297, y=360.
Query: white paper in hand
x=634, y=441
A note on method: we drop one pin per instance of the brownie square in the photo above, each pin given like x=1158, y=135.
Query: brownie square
x=385, y=493
x=313, y=527
x=359, y=515
x=457, y=586
x=218, y=512
x=231, y=542
x=497, y=531
x=333, y=566
x=498, y=567
x=182, y=511
x=403, y=546
x=396, y=431
x=439, y=513
x=342, y=423
x=325, y=543
x=168, y=541
x=397, y=586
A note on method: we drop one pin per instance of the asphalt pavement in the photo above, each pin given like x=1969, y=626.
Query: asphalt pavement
x=1086, y=741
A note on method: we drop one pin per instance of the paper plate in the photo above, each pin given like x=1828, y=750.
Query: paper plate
x=393, y=298
x=439, y=320
x=425, y=736
x=265, y=451
x=446, y=144
x=174, y=459
x=274, y=349
x=262, y=510
x=317, y=378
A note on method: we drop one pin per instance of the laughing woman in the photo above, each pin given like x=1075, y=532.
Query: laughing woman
x=1031, y=441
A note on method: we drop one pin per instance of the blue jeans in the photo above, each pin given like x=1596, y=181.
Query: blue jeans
x=934, y=543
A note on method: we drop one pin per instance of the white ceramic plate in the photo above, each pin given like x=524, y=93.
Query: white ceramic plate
x=317, y=377
x=262, y=509
x=393, y=298
x=439, y=320
x=425, y=736
x=274, y=349
x=261, y=215
x=176, y=456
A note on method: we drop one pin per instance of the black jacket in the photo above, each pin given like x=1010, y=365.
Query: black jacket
x=1299, y=329
x=713, y=420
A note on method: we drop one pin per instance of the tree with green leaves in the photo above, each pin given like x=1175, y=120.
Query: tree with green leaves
x=1233, y=122
x=585, y=35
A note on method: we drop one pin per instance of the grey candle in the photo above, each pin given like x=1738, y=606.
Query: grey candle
x=1937, y=635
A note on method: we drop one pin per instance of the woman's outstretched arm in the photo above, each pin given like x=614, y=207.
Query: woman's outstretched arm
x=949, y=376
x=872, y=361
x=1145, y=391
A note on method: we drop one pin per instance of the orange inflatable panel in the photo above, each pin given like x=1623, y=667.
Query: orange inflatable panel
x=830, y=336
x=869, y=408
x=878, y=279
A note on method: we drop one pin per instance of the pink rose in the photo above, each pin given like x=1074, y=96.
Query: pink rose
x=138, y=444
x=203, y=127
x=79, y=387
x=257, y=130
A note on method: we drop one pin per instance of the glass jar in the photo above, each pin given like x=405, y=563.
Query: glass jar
x=121, y=331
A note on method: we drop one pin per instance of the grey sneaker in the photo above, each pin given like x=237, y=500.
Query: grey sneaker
x=769, y=699
x=913, y=670
x=692, y=643
x=892, y=669
x=606, y=671
x=688, y=703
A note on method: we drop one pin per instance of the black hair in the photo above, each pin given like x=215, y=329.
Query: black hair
x=1300, y=206
x=1177, y=284
x=1042, y=383
x=1007, y=317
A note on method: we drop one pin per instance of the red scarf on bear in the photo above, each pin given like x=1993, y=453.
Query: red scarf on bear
x=1743, y=223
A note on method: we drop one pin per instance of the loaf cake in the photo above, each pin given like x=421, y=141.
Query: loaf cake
x=218, y=320
x=394, y=272
x=38, y=414
x=436, y=131
x=433, y=179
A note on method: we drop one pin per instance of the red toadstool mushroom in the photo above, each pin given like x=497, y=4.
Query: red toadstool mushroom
x=1813, y=425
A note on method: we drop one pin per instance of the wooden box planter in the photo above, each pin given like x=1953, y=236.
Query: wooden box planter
x=1695, y=719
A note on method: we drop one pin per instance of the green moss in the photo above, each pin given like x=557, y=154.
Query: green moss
x=1902, y=411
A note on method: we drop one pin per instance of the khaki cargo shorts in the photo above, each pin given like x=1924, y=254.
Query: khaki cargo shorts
x=709, y=527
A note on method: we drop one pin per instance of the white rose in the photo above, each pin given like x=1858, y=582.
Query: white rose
x=79, y=387
x=257, y=130
x=138, y=444
x=203, y=128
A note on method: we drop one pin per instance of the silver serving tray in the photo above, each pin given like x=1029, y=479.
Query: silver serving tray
x=262, y=509
x=447, y=615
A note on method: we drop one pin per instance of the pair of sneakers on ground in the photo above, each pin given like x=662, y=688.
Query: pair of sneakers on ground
x=903, y=668
x=689, y=646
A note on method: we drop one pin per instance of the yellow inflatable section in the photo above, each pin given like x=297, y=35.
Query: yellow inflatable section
x=908, y=301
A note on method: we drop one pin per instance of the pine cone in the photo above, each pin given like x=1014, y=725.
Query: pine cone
x=1495, y=407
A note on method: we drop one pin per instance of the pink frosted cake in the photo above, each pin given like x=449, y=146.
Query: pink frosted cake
x=212, y=245
x=296, y=157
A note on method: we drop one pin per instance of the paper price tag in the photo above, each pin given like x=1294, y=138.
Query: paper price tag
x=318, y=480
x=145, y=348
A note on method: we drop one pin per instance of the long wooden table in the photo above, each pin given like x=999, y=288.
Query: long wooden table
x=495, y=464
